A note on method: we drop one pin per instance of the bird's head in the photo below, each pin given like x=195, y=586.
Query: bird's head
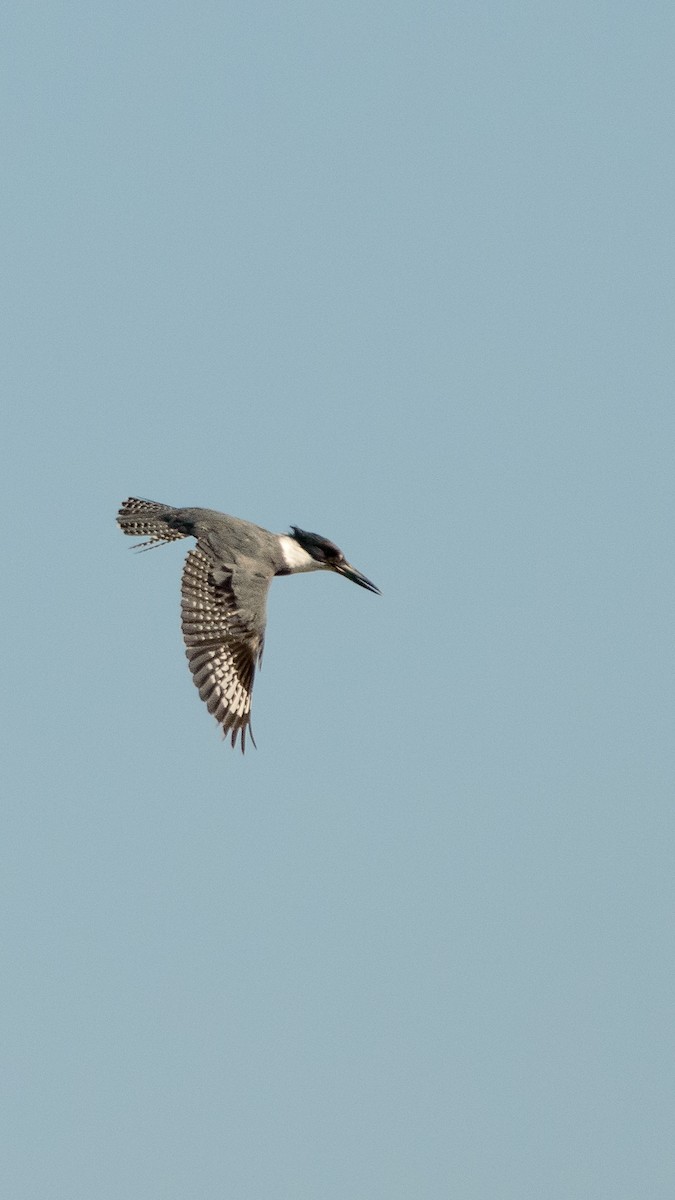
x=328, y=557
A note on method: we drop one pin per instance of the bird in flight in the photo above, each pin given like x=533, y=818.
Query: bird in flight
x=224, y=594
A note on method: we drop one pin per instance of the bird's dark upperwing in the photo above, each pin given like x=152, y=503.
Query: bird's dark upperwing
x=223, y=622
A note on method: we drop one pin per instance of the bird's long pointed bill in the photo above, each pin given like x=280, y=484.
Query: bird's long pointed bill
x=350, y=572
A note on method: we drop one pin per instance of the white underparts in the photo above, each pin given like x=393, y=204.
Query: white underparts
x=295, y=557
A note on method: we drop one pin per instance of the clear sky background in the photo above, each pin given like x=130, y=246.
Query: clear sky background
x=402, y=274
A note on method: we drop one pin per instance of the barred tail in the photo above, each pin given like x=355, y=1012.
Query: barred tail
x=145, y=518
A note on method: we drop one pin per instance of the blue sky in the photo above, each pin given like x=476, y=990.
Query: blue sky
x=401, y=274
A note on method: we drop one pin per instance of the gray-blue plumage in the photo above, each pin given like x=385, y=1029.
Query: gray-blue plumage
x=224, y=594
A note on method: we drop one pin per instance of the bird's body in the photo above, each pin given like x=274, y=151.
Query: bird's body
x=224, y=593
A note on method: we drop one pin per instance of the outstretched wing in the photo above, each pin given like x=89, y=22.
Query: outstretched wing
x=223, y=637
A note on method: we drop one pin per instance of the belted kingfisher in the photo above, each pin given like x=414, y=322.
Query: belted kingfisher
x=224, y=594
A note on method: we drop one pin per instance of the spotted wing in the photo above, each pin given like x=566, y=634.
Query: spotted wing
x=223, y=643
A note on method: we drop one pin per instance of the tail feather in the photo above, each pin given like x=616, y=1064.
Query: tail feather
x=146, y=518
